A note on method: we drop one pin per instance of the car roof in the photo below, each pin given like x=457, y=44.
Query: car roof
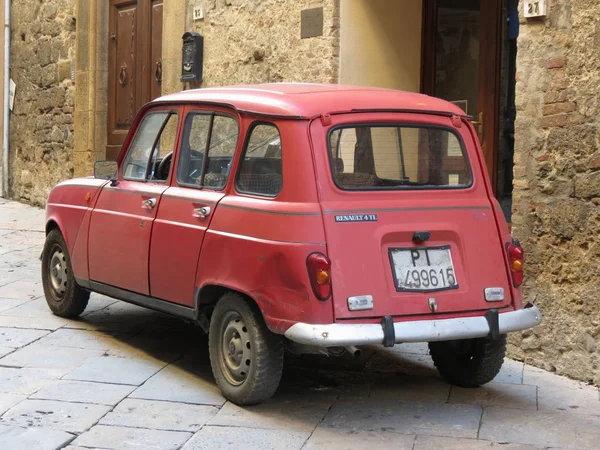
x=308, y=100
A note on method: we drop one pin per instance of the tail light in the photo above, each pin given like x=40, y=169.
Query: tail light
x=515, y=261
x=319, y=272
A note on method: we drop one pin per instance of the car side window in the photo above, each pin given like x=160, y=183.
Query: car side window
x=207, y=134
x=150, y=153
x=260, y=170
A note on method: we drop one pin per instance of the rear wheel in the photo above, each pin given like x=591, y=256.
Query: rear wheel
x=246, y=357
x=63, y=295
x=469, y=362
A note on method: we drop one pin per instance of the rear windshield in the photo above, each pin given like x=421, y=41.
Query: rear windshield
x=374, y=157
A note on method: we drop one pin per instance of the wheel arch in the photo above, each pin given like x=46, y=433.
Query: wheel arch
x=207, y=296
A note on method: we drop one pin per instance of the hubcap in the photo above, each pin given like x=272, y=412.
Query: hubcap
x=57, y=270
x=236, y=353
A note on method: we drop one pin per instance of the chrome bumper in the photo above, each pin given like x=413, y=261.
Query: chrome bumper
x=337, y=334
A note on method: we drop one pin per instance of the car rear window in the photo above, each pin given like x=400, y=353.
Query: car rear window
x=372, y=157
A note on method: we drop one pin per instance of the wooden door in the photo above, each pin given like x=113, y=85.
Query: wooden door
x=461, y=62
x=135, y=64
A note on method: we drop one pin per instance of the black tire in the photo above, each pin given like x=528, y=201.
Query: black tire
x=469, y=362
x=246, y=357
x=63, y=295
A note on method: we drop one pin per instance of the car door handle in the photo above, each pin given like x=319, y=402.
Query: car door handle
x=150, y=203
x=202, y=212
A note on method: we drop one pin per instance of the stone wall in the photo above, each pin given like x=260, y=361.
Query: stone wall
x=42, y=48
x=557, y=186
x=257, y=41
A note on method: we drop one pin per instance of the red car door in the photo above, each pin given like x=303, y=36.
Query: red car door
x=122, y=220
x=208, y=144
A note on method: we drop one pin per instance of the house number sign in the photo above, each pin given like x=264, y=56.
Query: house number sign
x=535, y=8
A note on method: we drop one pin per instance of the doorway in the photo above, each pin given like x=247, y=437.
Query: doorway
x=134, y=64
x=468, y=58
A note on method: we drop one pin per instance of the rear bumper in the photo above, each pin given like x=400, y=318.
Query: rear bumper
x=333, y=335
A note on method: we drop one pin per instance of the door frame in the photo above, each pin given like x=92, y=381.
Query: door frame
x=143, y=67
x=490, y=67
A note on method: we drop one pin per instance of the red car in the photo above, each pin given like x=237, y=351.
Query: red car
x=308, y=217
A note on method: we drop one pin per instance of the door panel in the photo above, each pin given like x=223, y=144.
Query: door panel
x=119, y=238
x=135, y=64
x=177, y=237
x=156, y=49
x=462, y=62
x=122, y=76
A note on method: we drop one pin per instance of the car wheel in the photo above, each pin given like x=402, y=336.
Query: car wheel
x=63, y=295
x=246, y=357
x=469, y=362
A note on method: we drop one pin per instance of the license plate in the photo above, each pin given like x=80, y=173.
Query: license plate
x=423, y=269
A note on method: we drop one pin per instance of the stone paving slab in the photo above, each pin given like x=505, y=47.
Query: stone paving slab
x=460, y=421
x=17, y=438
x=7, y=401
x=49, y=357
x=541, y=429
x=15, y=337
x=9, y=303
x=556, y=393
x=325, y=438
x=26, y=290
x=84, y=392
x=220, y=438
x=109, y=369
x=178, y=384
x=48, y=322
x=497, y=394
x=439, y=443
x=299, y=412
x=121, y=438
x=94, y=340
x=27, y=380
x=70, y=417
x=159, y=415
x=410, y=388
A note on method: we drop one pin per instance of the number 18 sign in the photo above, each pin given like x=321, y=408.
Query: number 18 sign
x=535, y=8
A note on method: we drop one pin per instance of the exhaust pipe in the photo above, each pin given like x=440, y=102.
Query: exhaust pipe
x=354, y=351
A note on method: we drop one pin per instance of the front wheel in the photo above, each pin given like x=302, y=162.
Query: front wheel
x=469, y=362
x=246, y=357
x=63, y=295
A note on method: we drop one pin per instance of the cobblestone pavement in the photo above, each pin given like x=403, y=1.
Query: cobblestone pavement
x=124, y=378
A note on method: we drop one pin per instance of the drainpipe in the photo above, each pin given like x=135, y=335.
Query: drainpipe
x=6, y=125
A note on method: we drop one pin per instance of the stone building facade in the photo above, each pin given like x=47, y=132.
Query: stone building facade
x=61, y=64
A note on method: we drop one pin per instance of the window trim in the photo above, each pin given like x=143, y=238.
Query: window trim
x=212, y=114
x=399, y=188
x=169, y=113
x=248, y=136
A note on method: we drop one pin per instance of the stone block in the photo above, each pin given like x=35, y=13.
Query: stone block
x=220, y=438
x=121, y=438
x=18, y=337
x=27, y=381
x=497, y=394
x=541, y=429
x=159, y=415
x=84, y=392
x=330, y=438
x=49, y=357
x=17, y=438
x=63, y=416
x=110, y=369
x=407, y=418
x=292, y=412
x=176, y=384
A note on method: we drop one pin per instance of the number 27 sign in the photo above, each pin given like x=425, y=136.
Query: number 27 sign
x=535, y=8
